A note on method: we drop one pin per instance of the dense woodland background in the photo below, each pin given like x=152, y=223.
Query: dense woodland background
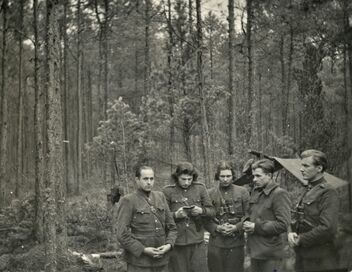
x=90, y=88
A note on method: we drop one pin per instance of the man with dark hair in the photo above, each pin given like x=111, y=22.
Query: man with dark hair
x=145, y=226
x=226, y=243
x=316, y=216
x=190, y=203
x=269, y=219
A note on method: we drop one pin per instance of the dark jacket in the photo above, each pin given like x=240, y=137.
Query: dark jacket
x=269, y=209
x=144, y=221
x=189, y=230
x=231, y=206
x=320, y=211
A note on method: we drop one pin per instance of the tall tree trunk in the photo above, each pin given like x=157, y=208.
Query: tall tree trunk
x=170, y=45
x=250, y=95
x=53, y=138
x=3, y=111
x=200, y=83
x=65, y=100
x=289, y=76
x=20, y=108
x=106, y=56
x=79, y=101
x=232, y=99
x=283, y=119
x=37, y=135
x=147, y=47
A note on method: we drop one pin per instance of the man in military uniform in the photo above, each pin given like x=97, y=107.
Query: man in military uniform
x=145, y=226
x=315, y=217
x=226, y=243
x=190, y=204
x=269, y=219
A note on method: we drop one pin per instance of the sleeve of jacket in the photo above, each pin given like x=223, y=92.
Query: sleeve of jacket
x=123, y=216
x=281, y=208
x=209, y=223
x=207, y=206
x=329, y=206
x=171, y=229
x=245, y=208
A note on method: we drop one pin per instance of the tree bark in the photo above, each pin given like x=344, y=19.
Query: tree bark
x=250, y=95
x=200, y=83
x=147, y=47
x=20, y=109
x=3, y=111
x=232, y=99
x=79, y=102
x=171, y=98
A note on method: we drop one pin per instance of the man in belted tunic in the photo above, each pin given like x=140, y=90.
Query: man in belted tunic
x=190, y=204
x=315, y=217
x=226, y=242
x=145, y=226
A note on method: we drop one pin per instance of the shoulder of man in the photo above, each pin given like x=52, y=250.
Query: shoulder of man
x=168, y=188
x=198, y=183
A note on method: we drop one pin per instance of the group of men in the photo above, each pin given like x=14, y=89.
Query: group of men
x=164, y=231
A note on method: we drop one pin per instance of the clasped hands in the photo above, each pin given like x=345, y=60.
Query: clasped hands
x=248, y=226
x=157, y=252
x=226, y=229
x=293, y=239
x=182, y=213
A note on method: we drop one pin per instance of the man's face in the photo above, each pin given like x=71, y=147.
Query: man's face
x=225, y=178
x=260, y=179
x=146, y=181
x=185, y=181
x=310, y=171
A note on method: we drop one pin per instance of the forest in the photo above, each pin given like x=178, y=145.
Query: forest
x=91, y=88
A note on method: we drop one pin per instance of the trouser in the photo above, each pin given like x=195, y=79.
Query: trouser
x=328, y=262
x=133, y=268
x=188, y=258
x=266, y=265
x=225, y=259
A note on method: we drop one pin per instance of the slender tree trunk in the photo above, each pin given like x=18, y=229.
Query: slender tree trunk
x=3, y=99
x=147, y=47
x=289, y=77
x=170, y=88
x=200, y=81
x=65, y=100
x=260, y=109
x=282, y=107
x=232, y=99
x=20, y=109
x=250, y=95
x=79, y=101
x=106, y=57
x=38, y=149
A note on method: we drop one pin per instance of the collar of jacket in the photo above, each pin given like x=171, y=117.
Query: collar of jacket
x=142, y=193
x=316, y=182
x=270, y=187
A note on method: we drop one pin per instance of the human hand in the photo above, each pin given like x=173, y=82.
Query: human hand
x=196, y=211
x=152, y=252
x=248, y=226
x=164, y=248
x=229, y=229
x=293, y=239
x=181, y=213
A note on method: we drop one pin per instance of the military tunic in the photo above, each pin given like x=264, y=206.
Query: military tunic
x=317, y=229
x=144, y=221
x=189, y=253
x=269, y=209
x=231, y=205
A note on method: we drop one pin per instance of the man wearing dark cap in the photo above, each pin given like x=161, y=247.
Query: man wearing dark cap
x=316, y=216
